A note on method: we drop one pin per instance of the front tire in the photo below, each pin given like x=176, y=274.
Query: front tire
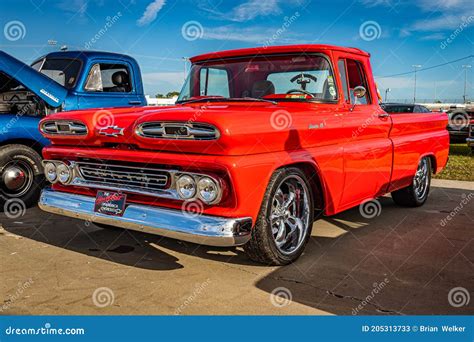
x=284, y=224
x=416, y=194
x=21, y=174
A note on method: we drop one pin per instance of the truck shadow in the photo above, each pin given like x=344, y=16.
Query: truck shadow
x=121, y=246
x=404, y=261
x=405, y=254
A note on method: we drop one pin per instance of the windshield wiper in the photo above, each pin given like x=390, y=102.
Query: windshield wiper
x=218, y=98
x=203, y=99
x=252, y=99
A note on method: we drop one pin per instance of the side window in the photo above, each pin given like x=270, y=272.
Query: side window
x=341, y=65
x=213, y=82
x=110, y=78
x=356, y=77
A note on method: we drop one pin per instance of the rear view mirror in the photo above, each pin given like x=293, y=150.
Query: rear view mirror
x=359, y=92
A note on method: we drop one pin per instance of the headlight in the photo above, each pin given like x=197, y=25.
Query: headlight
x=207, y=190
x=186, y=187
x=50, y=172
x=64, y=173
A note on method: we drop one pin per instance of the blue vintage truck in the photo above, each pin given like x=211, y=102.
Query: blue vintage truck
x=59, y=81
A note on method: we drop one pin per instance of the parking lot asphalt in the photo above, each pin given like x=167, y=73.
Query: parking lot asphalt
x=402, y=261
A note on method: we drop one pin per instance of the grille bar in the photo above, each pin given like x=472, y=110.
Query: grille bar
x=128, y=177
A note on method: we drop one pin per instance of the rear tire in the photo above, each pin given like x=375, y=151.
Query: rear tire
x=284, y=224
x=21, y=175
x=416, y=194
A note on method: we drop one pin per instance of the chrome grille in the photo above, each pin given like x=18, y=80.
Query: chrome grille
x=63, y=128
x=124, y=177
x=178, y=130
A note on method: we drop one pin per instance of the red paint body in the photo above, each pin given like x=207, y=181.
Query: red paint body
x=355, y=154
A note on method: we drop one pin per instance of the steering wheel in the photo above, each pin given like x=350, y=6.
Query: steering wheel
x=291, y=91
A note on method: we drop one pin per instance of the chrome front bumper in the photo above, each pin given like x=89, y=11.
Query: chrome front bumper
x=203, y=229
x=470, y=142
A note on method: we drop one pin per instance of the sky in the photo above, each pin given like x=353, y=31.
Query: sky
x=160, y=34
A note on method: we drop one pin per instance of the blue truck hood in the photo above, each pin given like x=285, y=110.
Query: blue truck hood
x=15, y=73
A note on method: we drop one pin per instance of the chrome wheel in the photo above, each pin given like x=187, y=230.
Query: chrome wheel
x=421, y=179
x=17, y=179
x=290, y=214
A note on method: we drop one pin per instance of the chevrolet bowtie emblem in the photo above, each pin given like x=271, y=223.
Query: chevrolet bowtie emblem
x=111, y=131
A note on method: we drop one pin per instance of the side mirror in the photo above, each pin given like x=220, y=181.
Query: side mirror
x=359, y=92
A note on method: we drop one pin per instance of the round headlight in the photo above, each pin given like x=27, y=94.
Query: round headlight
x=50, y=172
x=64, y=173
x=186, y=187
x=207, y=189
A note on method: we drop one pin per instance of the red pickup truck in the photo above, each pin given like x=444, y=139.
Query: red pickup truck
x=260, y=144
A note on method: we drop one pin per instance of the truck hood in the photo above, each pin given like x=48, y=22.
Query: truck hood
x=243, y=128
x=14, y=73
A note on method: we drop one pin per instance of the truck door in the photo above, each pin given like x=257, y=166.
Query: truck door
x=109, y=84
x=366, y=128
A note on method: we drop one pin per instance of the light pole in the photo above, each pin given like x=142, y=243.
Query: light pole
x=388, y=90
x=416, y=67
x=465, y=67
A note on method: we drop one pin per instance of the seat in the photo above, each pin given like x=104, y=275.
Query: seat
x=121, y=81
x=262, y=88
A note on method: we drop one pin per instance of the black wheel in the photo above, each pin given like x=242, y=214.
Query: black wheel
x=416, y=194
x=285, y=220
x=22, y=175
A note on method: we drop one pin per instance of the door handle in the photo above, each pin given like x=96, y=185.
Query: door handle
x=384, y=115
x=134, y=102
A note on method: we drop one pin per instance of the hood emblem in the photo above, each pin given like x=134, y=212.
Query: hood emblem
x=111, y=131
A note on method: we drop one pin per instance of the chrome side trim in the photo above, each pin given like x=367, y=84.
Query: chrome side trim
x=177, y=130
x=470, y=142
x=204, y=229
x=74, y=128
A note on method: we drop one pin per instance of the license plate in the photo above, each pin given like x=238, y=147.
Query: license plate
x=110, y=203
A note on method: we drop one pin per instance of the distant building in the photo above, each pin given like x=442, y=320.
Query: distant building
x=153, y=101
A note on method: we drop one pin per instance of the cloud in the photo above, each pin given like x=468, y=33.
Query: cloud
x=442, y=23
x=255, y=8
x=151, y=12
x=434, y=36
x=248, y=10
x=74, y=6
x=255, y=34
x=373, y=3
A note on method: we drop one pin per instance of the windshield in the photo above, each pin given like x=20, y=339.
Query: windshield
x=292, y=77
x=63, y=71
